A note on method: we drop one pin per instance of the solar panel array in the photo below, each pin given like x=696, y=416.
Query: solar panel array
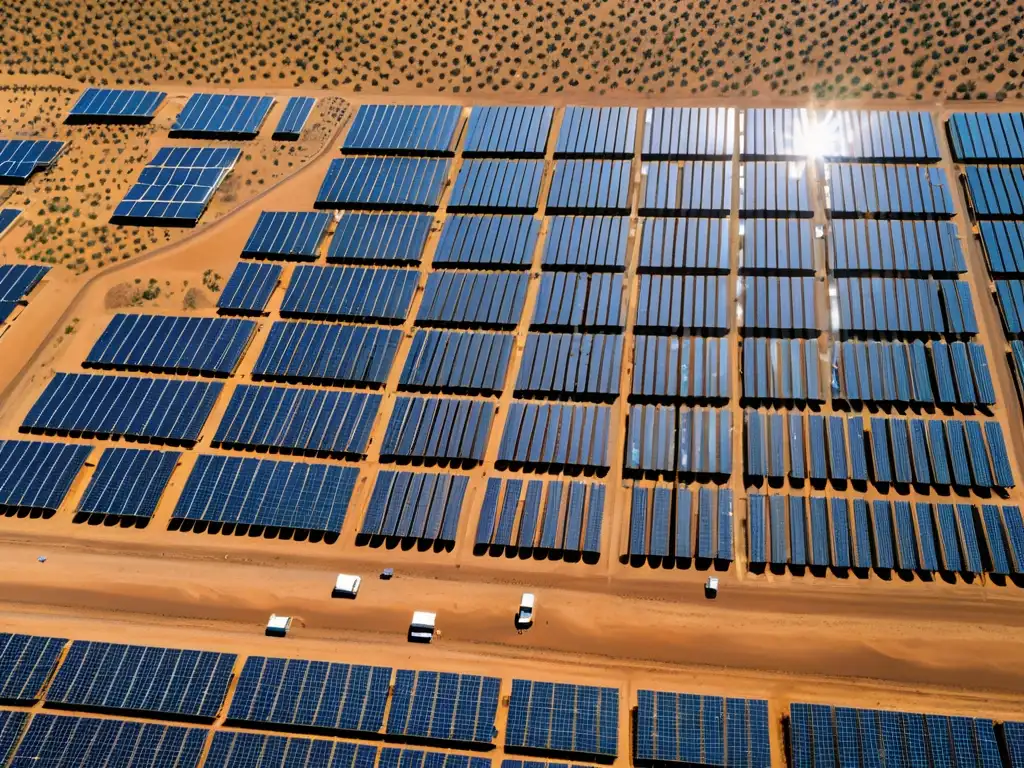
x=234, y=749
x=36, y=476
x=7, y=218
x=16, y=282
x=176, y=186
x=212, y=115
x=579, y=720
x=128, y=483
x=692, y=729
x=324, y=353
x=383, y=129
x=20, y=158
x=508, y=132
x=444, y=706
x=414, y=506
x=293, y=119
x=380, y=238
x=11, y=726
x=248, y=289
x=293, y=236
x=383, y=183
x=26, y=664
x=665, y=528
x=114, y=105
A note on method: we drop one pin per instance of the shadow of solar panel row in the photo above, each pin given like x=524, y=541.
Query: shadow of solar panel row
x=693, y=729
x=555, y=437
x=1002, y=243
x=358, y=294
x=324, y=353
x=383, y=183
x=568, y=301
x=981, y=137
x=214, y=115
x=977, y=454
x=689, y=368
x=586, y=243
x=779, y=305
x=777, y=446
x=11, y=726
x=59, y=741
x=444, y=706
x=346, y=698
x=880, y=135
x=438, y=429
x=677, y=303
x=293, y=119
x=234, y=749
x=560, y=717
x=16, y=282
x=887, y=191
x=388, y=129
x=590, y=187
x=249, y=288
x=26, y=664
x=450, y=361
x=20, y=158
x=897, y=372
x=395, y=757
x=498, y=186
x=905, y=306
x=684, y=245
x=511, y=521
x=176, y=186
x=137, y=678
x=574, y=366
x=996, y=192
x=128, y=482
x=695, y=188
x=820, y=735
x=380, y=238
x=312, y=422
x=665, y=440
x=168, y=344
x=775, y=134
x=775, y=188
x=664, y=532
x=36, y=476
x=158, y=410
x=112, y=105
x=473, y=299
x=597, y=132
x=414, y=506
x=289, y=495
x=673, y=133
x=903, y=247
x=776, y=245
x=294, y=236
x=487, y=242
x=508, y=132
x=779, y=528
x=782, y=370
x=7, y=218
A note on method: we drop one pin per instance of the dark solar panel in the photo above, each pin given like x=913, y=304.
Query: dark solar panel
x=249, y=288
x=220, y=115
x=781, y=305
x=287, y=235
x=440, y=428
x=358, y=294
x=555, y=436
x=987, y=137
x=571, y=301
x=586, y=243
x=684, y=245
x=37, y=475
x=394, y=757
x=678, y=303
x=385, y=129
x=444, y=706
x=20, y=158
x=578, y=366
x=487, y=242
x=112, y=105
x=143, y=679
x=7, y=218
x=498, y=186
x=380, y=238
x=11, y=726
x=559, y=717
x=415, y=506
x=451, y=361
x=26, y=664
x=508, y=131
x=128, y=482
x=492, y=300
x=293, y=119
x=383, y=183
x=16, y=282
x=234, y=749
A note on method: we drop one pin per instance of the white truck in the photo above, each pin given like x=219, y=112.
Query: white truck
x=525, y=617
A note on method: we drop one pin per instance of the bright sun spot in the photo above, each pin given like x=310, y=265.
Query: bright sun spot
x=819, y=139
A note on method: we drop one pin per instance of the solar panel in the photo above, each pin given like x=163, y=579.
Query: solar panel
x=556, y=436
x=597, y=131
x=683, y=303
x=20, y=158
x=59, y=741
x=690, y=441
x=590, y=187
x=684, y=245
x=693, y=369
x=905, y=247
x=26, y=664
x=380, y=238
x=1013, y=736
x=492, y=300
x=580, y=366
x=317, y=695
x=37, y=475
x=775, y=134
x=113, y=105
x=775, y=188
x=314, y=422
x=393, y=757
x=7, y=218
x=386, y=129
x=128, y=482
x=779, y=305
x=383, y=183
x=888, y=191
x=144, y=679
x=293, y=119
x=508, y=132
x=249, y=288
x=559, y=717
x=487, y=242
x=692, y=188
x=877, y=135
x=672, y=133
x=350, y=293
x=164, y=410
x=497, y=186
x=776, y=245
x=982, y=137
x=287, y=235
x=235, y=749
x=586, y=243
x=439, y=428
x=167, y=344
x=263, y=492
x=904, y=306
x=214, y=115
x=16, y=282
x=462, y=363
x=782, y=370
x=444, y=706
x=325, y=353
x=568, y=301
x=414, y=506
x=176, y=186
x=11, y=726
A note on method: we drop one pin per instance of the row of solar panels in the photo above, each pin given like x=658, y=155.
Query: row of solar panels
x=905, y=306
x=962, y=453
x=20, y=158
x=945, y=537
x=666, y=440
x=16, y=282
x=665, y=529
